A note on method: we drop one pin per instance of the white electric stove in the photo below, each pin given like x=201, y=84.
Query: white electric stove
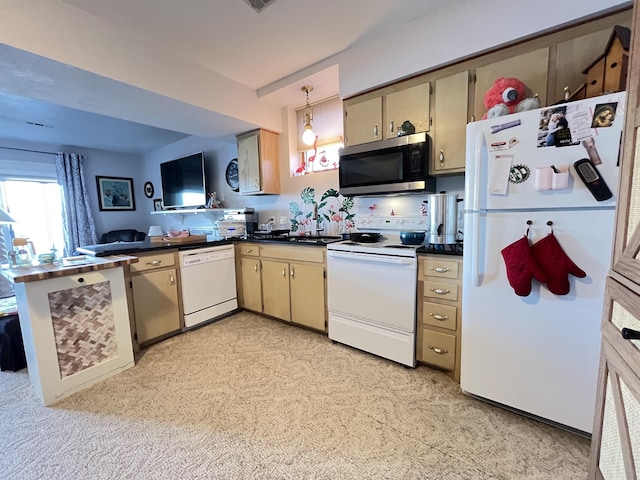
x=372, y=289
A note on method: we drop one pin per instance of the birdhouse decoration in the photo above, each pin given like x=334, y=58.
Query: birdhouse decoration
x=608, y=72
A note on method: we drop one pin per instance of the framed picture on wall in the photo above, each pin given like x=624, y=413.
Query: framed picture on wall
x=115, y=193
x=157, y=204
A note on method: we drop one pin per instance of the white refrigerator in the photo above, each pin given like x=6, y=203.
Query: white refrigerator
x=538, y=353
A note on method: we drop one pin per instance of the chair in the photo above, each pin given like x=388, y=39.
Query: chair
x=124, y=235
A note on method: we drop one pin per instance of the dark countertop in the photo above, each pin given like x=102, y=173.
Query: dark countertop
x=133, y=248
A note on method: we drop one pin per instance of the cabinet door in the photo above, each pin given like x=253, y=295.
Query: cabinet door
x=451, y=109
x=155, y=303
x=251, y=284
x=410, y=104
x=308, y=295
x=532, y=68
x=363, y=121
x=275, y=289
x=249, y=164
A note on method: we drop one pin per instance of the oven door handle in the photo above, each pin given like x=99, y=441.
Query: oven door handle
x=371, y=257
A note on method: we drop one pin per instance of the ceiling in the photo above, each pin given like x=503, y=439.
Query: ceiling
x=273, y=52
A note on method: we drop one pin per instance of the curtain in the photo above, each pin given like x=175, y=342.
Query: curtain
x=77, y=221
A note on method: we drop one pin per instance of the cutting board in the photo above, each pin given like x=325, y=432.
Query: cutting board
x=190, y=238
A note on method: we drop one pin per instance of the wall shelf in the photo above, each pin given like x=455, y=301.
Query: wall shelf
x=213, y=211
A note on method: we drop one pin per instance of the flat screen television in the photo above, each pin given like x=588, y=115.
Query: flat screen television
x=183, y=182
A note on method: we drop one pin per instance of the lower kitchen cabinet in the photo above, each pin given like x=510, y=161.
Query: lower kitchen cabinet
x=439, y=312
x=275, y=289
x=250, y=277
x=284, y=282
x=155, y=296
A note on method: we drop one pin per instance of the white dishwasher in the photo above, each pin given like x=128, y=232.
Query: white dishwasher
x=208, y=277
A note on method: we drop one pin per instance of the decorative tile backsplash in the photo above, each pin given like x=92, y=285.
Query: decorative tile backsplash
x=334, y=215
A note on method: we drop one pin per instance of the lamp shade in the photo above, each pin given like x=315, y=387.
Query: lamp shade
x=5, y=217
x=155, y=231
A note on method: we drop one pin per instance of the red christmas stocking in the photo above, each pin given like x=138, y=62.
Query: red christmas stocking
x=521, y=267
x=556, y=264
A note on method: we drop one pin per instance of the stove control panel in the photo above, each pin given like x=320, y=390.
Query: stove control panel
x=395, y=222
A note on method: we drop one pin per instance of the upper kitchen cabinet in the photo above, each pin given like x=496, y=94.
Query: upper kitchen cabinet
x=379, y=115
x=363, y=121
x=532, y=68
x=450, y=113
x=407, y=104
x=259, y=162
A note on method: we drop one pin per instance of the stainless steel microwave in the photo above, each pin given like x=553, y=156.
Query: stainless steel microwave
x=396, y=165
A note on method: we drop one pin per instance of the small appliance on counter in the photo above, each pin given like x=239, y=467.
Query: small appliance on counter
x=247, y=216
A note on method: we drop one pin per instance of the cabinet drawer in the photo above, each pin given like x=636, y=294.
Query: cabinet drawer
x=441, y=290
x=439, y=349
x=150, y=262
x=297, y=253
x=249, y=250
x=444, y=316
x=440, y=268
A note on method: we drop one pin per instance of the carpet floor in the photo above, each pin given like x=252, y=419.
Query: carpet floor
x=252, y=398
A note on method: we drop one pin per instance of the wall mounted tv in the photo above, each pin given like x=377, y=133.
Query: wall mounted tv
x=183, y=182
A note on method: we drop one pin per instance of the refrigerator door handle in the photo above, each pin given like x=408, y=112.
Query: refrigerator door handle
x=474, y=228
x=473, y=172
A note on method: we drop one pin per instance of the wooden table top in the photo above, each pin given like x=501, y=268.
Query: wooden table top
x=44, y=271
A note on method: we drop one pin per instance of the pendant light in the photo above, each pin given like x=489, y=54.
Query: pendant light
x=308, y=137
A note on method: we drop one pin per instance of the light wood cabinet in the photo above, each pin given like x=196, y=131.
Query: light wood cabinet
x=378, y=116
x=259, y=162
x=451, y=109
x=439, y=312
x=285, y=282
x=363, y=121
x=532, y=68
x=155, y=296
x=275, y=289
x=615, y=444
x=250, y=276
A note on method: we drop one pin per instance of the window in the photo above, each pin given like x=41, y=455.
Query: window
x=325, y=158
x=36, y=206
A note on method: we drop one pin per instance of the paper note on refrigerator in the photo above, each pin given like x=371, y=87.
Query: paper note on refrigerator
x=500, y=166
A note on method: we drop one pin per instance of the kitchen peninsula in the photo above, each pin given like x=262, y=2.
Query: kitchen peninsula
x=75, y=322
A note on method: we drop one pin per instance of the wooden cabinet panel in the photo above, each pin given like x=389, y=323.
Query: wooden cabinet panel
x=532, y=68
x=153, y=261
x=441, y=290
x=438, y=315
x=451, y=108
x=439, y=349
x=259, y=162
x=363, y=121
x=275, y=289
x=439, y=312
x=440, y=267
x=615, y=445
x=408, y=104
x=155, y=303
x=308, y=295
x=251, y=284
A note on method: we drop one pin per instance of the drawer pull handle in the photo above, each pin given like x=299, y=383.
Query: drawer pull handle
x=284, y=272
x=439, y=291
x=293, y=272
x=439, y=317
x=255, y=267
x=440, y=269
x=154, y=263
x=375, y=130
x=248, y=250
x=439, y=351
x=172, y=279
x=629, y=334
